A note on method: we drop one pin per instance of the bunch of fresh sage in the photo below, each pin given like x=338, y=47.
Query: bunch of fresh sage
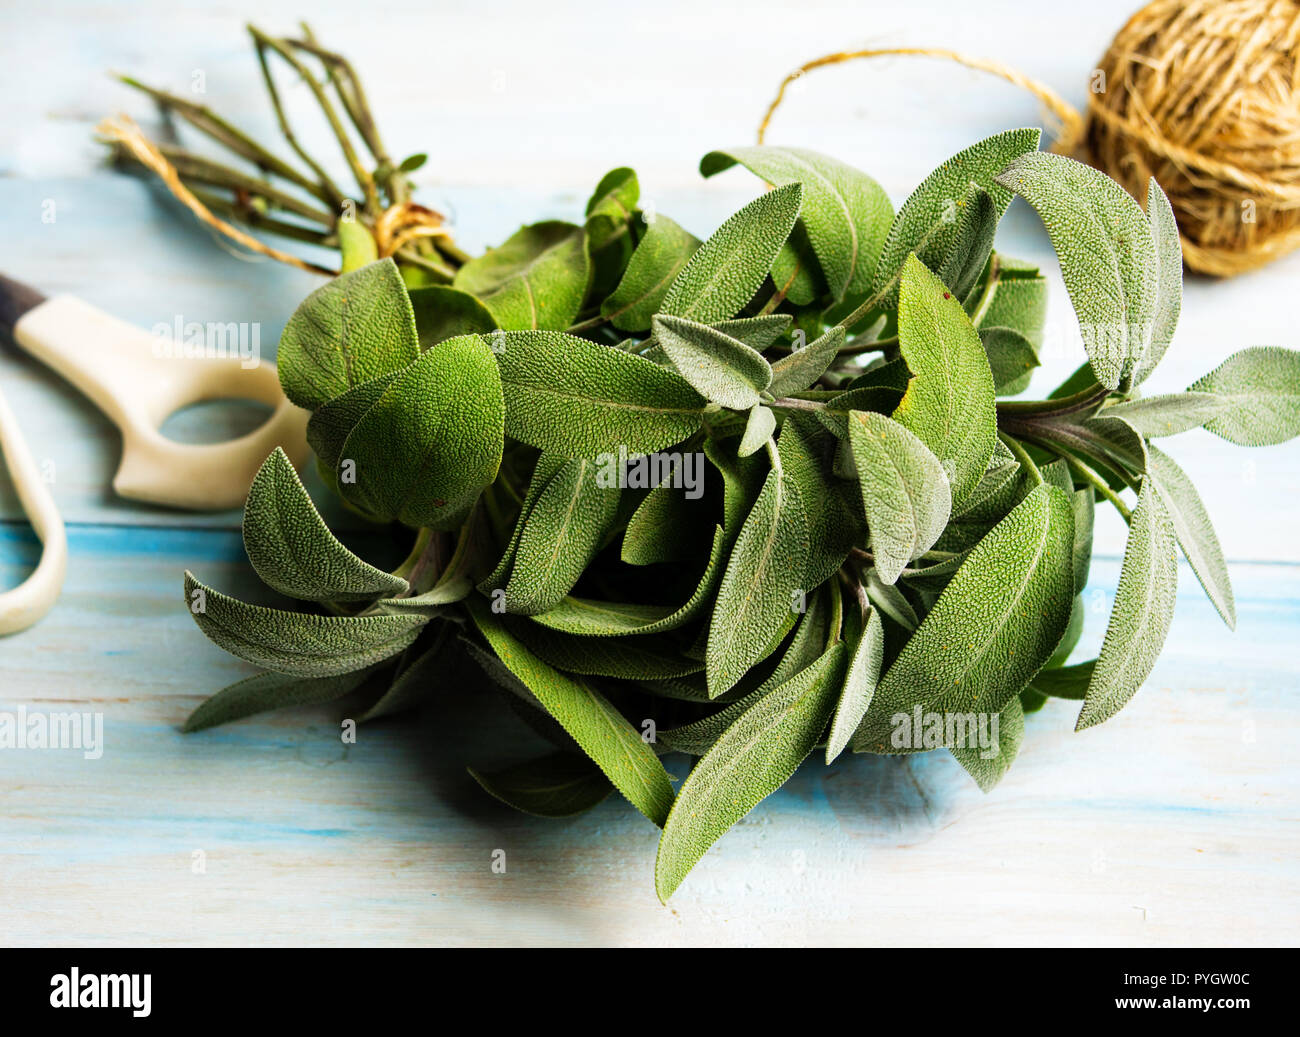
x=748, y=499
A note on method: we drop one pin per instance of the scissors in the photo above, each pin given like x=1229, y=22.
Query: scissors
x=118, y=366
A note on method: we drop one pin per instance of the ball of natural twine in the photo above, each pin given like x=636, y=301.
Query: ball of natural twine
x=1202, y=94
x=1205, y=96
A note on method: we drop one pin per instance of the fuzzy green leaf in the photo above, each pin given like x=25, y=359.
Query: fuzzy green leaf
x=611, y=206
x=329, y=427
x=588, y=618
x=1169, y=278
x=556, y=785
x=972, y=243
x=536, y=280
x=1065, y=682
x=802, y=367
x=928, y=223
x=756, y=332
x=356, y=327
x=905, y=493
x=443, y=312
x=1108, y=257
x=1261, y=390
x=846, y=213
x=727, y=269
x=1140, y=617
x=757, y=592
x=1194, y=531
x=988, y=765
x=434, y=440
x=605, y=735
x=267, y=691
x=297, y=643
x=720, y=368
x=581, y=399
x=1011, y=358
x=1170, y=414
x=564, y=529
x=294, y=551
x=758, y=430
x=860, y=680
x=627, y=658
x=994, y=626
x=658, y=259
x=755, y=756
x=949, y=403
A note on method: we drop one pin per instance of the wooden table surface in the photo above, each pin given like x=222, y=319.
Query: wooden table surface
x=1175, y=823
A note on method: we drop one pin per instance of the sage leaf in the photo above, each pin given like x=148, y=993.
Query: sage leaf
x=1170, y=414
x=756, y=332
x=1108, y=258
x=1261, y=390
x=329, y=427
x=758, y=430
x=611, y=206
x=890, y=601
x=605, y=735
x=1194, y=531
x=555, y=785
x=949, y=402
x=927, y=223
x=755, y=756
x=796, y=273
x=418, y=673
x=993, y=627
x=581, y=399
x=443, y=312
x=972, y=243
x=756, y=596
x=988, y=765
x=1084, y=506
x=297, y=643
x=806, y=452
x=720, y=368
x=564, y=530
x=267, y=691
x=1065, y=682
x=356, y=327
x=543, y=472
x=658, y=259
x=590, y=618
x=1140, y=616
x=665, y=527
x=803, y=367
x=860, y=680
x=846, y=213
x=434, y=440
x=1169, y=278
x=627, y=658
x=742, y=479
x=292, y=548
x=905, y=493
x=1011, y=358
x=726, y=271
x=537, y=279
x=432, y=602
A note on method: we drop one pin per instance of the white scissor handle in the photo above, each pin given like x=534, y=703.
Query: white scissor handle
x=124, y=372
x=31, y=599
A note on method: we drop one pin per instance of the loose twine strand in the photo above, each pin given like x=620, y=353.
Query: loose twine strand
x=396, y=227
x=1204, y=95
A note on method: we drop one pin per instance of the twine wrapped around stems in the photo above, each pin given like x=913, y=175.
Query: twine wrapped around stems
x=1204, y=95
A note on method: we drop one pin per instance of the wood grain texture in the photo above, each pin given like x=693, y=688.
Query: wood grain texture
x=1175, y=823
